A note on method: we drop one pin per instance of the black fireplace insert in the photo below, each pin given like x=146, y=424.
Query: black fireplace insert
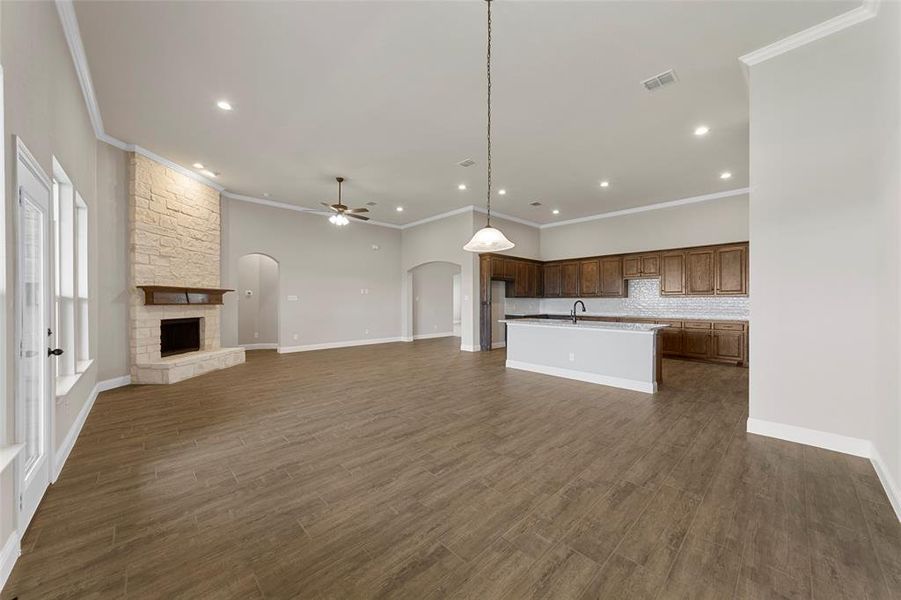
x=178, y=336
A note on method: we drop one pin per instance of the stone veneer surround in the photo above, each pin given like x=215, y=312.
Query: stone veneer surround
x=174, y=239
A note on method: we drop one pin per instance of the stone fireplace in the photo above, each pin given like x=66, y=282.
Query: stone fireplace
x=173, y=241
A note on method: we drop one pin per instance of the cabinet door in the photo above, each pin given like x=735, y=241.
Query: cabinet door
x=589, y=280
x=497, y=267
x=696, y=343
x=731, y=271
x=699, y=273
x=612, y=283
x=537, y=280
x=671, y=341
x=631, y=266
x=510, y=268
x=729, y=345
x=569, y=274
x=552, y=281
x=521, y=283
x=672, y=275
x=650, y=265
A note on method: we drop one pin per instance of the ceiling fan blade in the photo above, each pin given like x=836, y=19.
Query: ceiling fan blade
x=353, y=216
x=358, y=210
x=330, y=206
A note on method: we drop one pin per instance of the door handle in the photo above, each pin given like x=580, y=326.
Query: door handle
x=56, y=352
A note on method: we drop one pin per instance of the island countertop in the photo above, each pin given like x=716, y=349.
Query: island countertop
x=561, y=324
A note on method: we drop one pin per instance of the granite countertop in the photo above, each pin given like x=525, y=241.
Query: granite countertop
x=635, y=327
x=719, y=317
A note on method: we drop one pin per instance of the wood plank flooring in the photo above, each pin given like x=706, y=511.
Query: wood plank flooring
x=418, y=471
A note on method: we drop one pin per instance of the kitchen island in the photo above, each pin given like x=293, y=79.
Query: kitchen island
x=623, y=355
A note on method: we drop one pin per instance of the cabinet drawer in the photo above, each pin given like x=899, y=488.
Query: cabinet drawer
x=697, y=325
x=729, y=326
x=672, y=324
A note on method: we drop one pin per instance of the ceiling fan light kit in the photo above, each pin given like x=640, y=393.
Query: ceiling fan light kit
x=342, y=211
x=489, y=239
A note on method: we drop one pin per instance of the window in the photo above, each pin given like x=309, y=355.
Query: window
x=70, y=228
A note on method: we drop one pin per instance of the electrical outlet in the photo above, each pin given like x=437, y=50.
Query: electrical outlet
x=366, y=332
x=572, y=356
x=295, y=337
x=435, y=327
x=292, y=298
x=256, y=335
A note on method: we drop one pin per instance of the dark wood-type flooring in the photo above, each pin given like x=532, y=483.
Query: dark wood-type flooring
x=418, y=471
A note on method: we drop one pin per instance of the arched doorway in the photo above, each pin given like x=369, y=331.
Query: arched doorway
x=258, y=292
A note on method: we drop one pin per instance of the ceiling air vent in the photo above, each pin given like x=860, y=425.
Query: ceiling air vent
x=536, y=203
x=466, y=163
x=660, y=80
x=370, y=204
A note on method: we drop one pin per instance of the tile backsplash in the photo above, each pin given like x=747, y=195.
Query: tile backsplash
x=644, y=300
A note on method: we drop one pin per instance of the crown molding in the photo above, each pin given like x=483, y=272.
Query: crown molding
x=649, y=207
x=481, y=210
x=439, y=216
x=66, y=10
x=867, y=10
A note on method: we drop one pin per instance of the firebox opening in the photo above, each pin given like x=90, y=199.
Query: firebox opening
x=178, y=336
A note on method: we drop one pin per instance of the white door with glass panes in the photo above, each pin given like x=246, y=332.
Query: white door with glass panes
x=33, y=349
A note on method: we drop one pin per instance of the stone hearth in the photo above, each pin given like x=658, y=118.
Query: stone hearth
x=173, y=240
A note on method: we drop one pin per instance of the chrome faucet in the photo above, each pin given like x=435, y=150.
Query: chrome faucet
x=573, y=312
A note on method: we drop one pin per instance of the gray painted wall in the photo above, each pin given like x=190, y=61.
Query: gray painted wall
x=824, y=235
x=324, y=267
x=433, y=298
x=710, y=222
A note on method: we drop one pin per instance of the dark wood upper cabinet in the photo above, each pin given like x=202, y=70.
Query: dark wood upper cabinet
x=536, y=274
x=497, y=267
x=699, y=273
x=589, y=277
x=510, y=268
x=641, y=265
x=521, y=280
x=611, y=277
x=569, y=277
x=552, y=281
x=672, y=274
x=731, y=271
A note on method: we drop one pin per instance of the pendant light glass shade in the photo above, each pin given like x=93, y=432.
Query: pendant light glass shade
x=488, y=239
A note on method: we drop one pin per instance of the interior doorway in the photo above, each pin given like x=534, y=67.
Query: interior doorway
x=258, y=292
x=498, y=312
x=34, y=337
x=437, y=302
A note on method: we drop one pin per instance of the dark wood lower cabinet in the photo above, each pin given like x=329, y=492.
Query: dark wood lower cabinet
x=714, y=341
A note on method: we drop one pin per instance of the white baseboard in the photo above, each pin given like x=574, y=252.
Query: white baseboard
x=62, y=453
x=618, y=382
x=837, y=443
x=269, y=346
x=892, y=490
x=406, y=338
x=428, y=336
x=470, y=348
x=496, y=345
x=330, y=345
x=811, y=437
x=9, y=554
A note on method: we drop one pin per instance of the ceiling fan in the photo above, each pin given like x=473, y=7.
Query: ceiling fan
x=342, y=211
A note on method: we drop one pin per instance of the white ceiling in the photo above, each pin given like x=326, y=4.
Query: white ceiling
x=391, y=95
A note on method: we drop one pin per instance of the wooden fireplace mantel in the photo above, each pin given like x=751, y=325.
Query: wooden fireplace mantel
x=161, y=295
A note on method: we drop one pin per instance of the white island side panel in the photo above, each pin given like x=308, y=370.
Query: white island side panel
x=619, y=358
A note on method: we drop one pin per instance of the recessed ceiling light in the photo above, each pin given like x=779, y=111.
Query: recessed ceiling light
x=605, y=184
x=265, y=194
x=556, y=211
x=209, y=173
x=725, y=175
x=224, y=105
x=198, y=165
x=400, y=209
x=702, y=130
x=462, y=186
x=502, y=192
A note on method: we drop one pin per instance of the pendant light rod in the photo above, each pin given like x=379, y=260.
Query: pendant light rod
x=488, y=70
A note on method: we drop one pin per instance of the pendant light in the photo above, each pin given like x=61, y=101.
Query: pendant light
x=489, y=239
